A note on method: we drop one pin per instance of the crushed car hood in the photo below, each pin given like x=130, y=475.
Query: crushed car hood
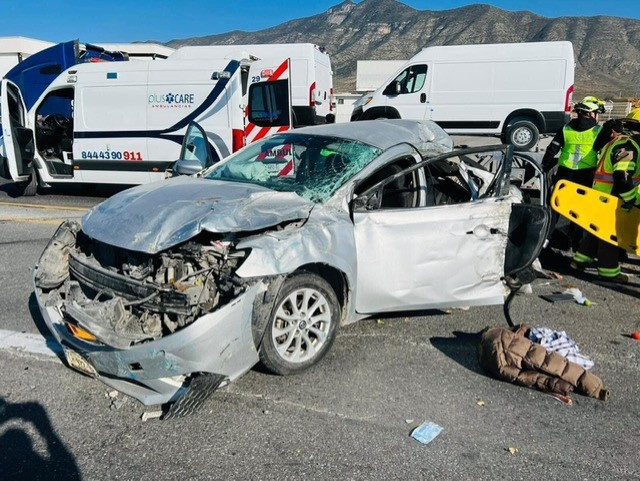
x=154, y=217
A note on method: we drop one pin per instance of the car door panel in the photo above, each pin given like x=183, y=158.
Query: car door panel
x=431, y=257
x=456, y=249
x=528, y=229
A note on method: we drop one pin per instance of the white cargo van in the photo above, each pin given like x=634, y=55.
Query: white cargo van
x=124, y=122
x=515, y=90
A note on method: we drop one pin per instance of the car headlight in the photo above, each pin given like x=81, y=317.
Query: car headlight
x=362, y=101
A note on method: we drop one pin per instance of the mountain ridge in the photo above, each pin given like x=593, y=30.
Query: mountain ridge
x=607, y=49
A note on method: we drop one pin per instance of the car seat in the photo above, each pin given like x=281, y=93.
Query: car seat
x=396, y=193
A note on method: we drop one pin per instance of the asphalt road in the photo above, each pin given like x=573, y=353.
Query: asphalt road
x=350, y=417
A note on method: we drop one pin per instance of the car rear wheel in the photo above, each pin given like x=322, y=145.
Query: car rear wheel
x=302, y=326
x=523, y=135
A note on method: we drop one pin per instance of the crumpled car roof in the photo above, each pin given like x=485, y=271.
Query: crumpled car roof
x=426, y=136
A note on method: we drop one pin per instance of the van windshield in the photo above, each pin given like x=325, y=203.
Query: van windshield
x=312, y=166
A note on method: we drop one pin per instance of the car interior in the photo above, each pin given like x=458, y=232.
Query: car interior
x=455, y=179
x=54, y=130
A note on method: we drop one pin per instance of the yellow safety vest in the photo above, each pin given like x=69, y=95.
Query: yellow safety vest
x=603, y=180
x=577, y=152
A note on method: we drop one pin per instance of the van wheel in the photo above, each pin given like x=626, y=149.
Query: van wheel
x=30, y=187
x=522, y=134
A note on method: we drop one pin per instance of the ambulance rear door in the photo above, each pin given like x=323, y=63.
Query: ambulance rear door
x=269, y=99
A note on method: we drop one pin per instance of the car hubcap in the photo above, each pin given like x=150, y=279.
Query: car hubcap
x=522, y=136
x=301, y=325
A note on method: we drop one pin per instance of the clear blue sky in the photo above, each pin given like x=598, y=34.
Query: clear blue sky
x=164, y=20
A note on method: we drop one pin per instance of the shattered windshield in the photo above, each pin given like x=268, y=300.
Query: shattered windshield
x=312, y=166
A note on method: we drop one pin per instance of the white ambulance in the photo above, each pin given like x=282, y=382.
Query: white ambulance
x=124, y=122
x=515, y=90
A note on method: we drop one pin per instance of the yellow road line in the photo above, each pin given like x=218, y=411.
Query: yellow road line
x=34, y=221
x=38, y=206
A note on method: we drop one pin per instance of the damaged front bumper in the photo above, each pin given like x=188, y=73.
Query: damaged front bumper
x=154, y=371
x=157, y=372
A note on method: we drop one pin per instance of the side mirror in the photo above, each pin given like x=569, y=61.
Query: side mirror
x=370, y=202
x=394, y=88
x=187, y=167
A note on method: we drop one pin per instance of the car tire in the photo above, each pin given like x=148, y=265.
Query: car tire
x=522, y=134
x=296, y=339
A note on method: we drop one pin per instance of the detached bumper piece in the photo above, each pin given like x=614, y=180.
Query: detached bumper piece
x=201, y=387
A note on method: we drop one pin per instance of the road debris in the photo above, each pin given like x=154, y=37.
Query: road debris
x=147, y=415
x=578, y=296
x=426, y=432
x=561, y=397
x=510, y=355
x=557, y=297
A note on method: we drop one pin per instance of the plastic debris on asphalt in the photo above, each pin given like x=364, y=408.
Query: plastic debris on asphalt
x=571, y=294
x=147, y=415
x=426, y=432
x=578, y=296
x=561, y=397
x=556, y=297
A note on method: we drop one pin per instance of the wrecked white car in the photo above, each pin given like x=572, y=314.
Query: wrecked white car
x=185, y=284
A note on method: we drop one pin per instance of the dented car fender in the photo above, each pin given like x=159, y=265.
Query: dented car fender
x=326, y=238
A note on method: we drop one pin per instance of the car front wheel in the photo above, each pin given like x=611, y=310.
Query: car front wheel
x=303, y=323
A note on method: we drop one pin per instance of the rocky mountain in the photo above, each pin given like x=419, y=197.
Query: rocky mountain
x=607, y=49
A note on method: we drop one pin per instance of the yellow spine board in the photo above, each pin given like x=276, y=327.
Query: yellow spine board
x=598, y=213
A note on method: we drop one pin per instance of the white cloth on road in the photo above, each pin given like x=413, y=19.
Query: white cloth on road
x=558, y=341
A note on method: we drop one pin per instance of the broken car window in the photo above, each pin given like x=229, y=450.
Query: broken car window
x=312, y=166
x=398, y=191
x=463, y=177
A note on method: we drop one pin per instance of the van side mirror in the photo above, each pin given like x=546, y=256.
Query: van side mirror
x=187, y=167
x=394, y=88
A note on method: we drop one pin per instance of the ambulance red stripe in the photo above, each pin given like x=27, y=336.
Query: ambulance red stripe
x=284, y=66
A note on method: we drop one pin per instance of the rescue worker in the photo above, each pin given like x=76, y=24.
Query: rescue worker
x=617, y=173
x=595, y=100
x=577, y=160
x=574, y=141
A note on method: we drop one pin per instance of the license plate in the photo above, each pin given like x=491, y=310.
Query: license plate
x=79, y=363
